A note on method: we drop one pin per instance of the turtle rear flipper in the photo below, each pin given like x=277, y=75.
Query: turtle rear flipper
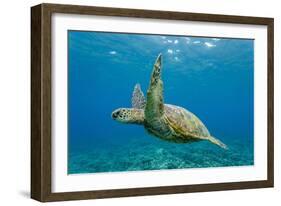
x=154, y=103
x=217, y=142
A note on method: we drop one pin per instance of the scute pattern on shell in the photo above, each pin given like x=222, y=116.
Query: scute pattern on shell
x=184, y=122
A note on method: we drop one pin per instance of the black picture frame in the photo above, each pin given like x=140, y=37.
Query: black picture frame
x=41, y=115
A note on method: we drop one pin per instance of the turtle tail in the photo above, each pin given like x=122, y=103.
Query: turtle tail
x=217, y=142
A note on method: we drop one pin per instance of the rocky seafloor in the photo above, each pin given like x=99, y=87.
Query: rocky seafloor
x=142, y=154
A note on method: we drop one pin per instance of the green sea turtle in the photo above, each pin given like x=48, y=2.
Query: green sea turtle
x=168, y=122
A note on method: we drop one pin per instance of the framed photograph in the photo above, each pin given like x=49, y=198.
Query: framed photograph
x=130, y=102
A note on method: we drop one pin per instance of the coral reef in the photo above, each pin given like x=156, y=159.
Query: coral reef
x=152, y=154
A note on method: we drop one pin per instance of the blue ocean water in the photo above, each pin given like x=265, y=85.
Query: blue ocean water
x=211, y=77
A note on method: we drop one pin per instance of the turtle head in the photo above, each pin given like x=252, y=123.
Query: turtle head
x=128, y=115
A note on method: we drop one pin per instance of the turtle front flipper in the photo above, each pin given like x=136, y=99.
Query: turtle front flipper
x=154, y=103
x=138, y=99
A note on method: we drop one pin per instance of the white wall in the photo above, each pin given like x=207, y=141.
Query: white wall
x=15, y=102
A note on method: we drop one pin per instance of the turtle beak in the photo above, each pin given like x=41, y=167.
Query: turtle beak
x=115, y=114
